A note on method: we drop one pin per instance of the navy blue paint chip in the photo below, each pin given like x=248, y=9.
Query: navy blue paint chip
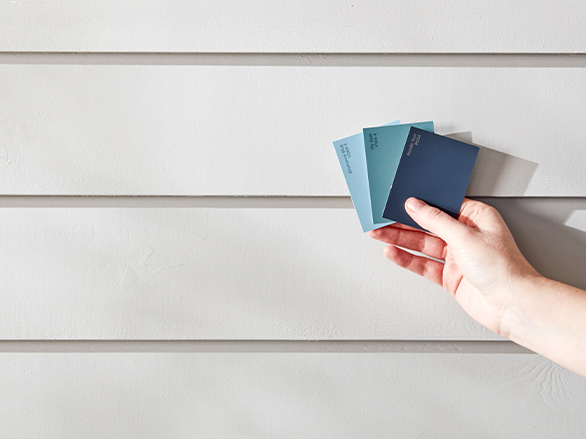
x=433, y=168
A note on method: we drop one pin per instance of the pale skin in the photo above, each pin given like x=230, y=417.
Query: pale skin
x=491, y=280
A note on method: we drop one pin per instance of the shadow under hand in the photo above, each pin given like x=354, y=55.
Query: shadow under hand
x=556, y=250
x=496, y=173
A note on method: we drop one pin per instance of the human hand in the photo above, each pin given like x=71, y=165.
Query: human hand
x=482, y=262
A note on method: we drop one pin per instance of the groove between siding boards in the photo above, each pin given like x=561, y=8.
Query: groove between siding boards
x=228, y=202
x=529, y=60
x=262, y=346
x=236, y=202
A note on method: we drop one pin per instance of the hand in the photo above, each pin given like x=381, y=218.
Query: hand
x=482, y=262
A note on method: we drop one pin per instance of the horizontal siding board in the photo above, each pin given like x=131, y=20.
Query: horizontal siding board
x=267, y=130
x=218, y=395
x=550, y=233
x=275, y=269
x=181, y=273
x=329, y=26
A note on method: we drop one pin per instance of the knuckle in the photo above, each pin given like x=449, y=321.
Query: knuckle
x=492, y=211
x=494, y=215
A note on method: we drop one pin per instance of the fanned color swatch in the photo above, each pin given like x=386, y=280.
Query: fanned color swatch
x=384, y=166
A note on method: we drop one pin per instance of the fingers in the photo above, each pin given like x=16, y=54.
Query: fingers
x=420, y=265
x=412, y=239
x=403, y=226
x=436, y=221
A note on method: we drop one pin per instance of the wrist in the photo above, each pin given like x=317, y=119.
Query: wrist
x=517, y=322
x=547, y=317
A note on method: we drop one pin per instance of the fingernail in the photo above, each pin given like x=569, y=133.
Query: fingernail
x=414, y=204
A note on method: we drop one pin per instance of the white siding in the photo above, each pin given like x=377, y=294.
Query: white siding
x=496, y=26
x=267, y=130
x=197, y=273
x=187, y=311
x=238, y=268
x=288, y=395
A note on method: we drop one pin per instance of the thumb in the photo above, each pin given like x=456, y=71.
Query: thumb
x=435, y=220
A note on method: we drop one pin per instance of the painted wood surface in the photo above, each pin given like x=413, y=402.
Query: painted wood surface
x=238, y=269
x=267, y=130
x=183, y=395
x=197, y=273
x=292, y=26
x=236, y=99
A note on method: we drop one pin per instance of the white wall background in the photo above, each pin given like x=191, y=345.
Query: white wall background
x=179, y=256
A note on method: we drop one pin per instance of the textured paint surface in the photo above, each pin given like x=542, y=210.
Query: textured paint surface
x=286, y=395
x=181, y=273
x=293, y=26
x=250, y=108
x=239, y=269
x=267, y=130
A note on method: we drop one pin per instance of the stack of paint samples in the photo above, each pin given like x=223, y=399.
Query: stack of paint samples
x=384, y=166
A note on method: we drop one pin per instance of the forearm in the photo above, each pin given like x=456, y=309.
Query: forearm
x=549, y=318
